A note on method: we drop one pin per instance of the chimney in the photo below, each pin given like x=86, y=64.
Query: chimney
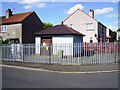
x=8, y=13
x=91, y=13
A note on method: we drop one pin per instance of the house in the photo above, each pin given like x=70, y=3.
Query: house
x=59, y=38
x=20, y=27
x=110, y=35
x=93, y=30
x=113, y=36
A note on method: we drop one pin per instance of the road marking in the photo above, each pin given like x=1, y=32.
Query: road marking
x=38, y=69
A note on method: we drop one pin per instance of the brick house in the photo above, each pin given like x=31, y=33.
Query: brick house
x=20, y=28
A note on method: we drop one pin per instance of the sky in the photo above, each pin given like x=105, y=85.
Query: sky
x=55, y=12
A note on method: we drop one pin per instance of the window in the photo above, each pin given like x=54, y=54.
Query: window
x=89, y=25
x=118, y=38
x=4, y=29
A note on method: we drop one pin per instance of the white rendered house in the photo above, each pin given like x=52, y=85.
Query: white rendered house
x=87, y=25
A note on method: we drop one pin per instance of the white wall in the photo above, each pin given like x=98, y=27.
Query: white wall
x=118, y=35
x=63, y=43
x=79, y=22
x=37, y=44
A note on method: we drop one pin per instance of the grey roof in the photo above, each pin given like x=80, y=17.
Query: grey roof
x=59, y=30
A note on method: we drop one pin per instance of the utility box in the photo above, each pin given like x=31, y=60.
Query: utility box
x=60, y=53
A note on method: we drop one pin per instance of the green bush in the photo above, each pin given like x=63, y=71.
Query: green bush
x=5, y=41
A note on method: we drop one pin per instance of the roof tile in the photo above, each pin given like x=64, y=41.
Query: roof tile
x=15, y=18
x=59, y=30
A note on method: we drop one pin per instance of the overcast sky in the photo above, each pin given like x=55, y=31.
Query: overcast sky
x=55, y=12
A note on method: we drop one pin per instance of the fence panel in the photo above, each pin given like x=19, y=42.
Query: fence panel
x=63, y=54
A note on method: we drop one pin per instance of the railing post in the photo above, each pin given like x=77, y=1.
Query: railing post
x=14, y=52
x=77, y=62
x=49, y=46
x=22, y=52
x=0, y=51
x=81, y=49
x=29, y=48
x=114, y=52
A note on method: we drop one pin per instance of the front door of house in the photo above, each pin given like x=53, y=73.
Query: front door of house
x=46, y=49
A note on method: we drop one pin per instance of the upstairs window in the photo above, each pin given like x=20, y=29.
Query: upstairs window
x=89, y=25
x=3, y=29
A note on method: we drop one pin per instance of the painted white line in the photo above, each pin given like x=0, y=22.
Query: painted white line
x=38, y=69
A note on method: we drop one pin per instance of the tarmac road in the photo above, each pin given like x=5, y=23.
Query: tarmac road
x=20, y=78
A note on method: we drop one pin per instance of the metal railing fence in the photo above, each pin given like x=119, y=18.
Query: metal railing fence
x=63, y=54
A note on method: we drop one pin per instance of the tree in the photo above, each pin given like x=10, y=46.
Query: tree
x=47, y=25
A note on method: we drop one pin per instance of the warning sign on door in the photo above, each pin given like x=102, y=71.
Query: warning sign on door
x=47, y=49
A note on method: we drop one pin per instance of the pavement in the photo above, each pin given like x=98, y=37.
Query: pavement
x=64, y=68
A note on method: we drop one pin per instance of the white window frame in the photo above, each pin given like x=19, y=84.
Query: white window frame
x=3, y=29
x=90, y=26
